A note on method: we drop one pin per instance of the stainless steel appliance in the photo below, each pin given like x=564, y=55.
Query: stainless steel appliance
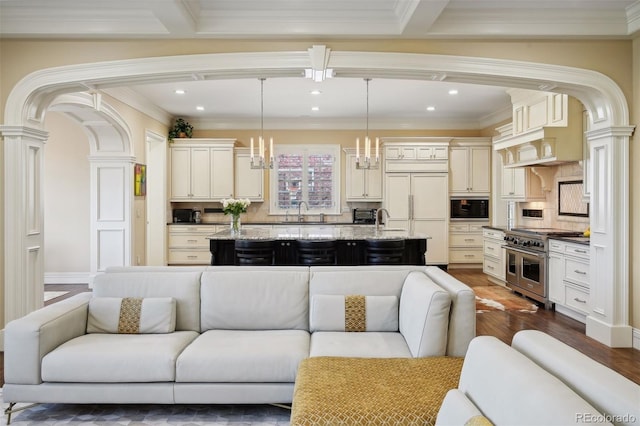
x=182, y=215
x=527, y=256
x=364, y=216
x=469, y=208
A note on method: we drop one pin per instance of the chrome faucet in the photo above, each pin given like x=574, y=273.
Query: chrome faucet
x=379, y=217
x=299, y=209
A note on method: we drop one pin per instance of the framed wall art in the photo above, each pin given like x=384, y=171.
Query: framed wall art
x=140, y=180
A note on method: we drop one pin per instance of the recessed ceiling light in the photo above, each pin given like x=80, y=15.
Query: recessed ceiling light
x=315, y=108
x=431, y=108
x=316, y=92
x=200, y=108
x=453, y=91
x=180, y=92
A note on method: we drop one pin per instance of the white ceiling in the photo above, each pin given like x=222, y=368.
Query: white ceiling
x=342, y=103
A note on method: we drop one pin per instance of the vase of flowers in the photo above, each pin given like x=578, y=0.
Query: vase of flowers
x=234, y=207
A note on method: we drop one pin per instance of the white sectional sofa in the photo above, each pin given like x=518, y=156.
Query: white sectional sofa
x=538, y=380
x=239, y=335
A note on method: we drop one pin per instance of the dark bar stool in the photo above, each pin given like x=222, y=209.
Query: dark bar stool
x=254, y=252
x=384, y=252
x=316, y=252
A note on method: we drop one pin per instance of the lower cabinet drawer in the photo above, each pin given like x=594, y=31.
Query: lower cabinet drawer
x=465, y=256
x=577, y=298
x=577, y=271
x=188, y=240
x=493, y=248
x=465, y=240
x=189, y=257
x=493, y=267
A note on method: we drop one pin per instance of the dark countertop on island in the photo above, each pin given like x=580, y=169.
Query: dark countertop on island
x=497, y=228
x=578, y=240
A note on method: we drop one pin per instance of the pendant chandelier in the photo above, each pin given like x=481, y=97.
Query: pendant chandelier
x=260, y=161
x=367, y=162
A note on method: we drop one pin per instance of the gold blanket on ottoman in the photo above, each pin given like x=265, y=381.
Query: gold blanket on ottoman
x=376, y=391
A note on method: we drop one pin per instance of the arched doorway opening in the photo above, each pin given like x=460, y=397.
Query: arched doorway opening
x=608, y=141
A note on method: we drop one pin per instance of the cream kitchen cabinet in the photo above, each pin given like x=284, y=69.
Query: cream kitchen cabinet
x=465, y=243
x=201, y=169
x=416, y=152
x=362, y=184
x=494, y=263
x=569, y=281
x=188, y=244
x=419, y=202
x=520, y=184
x=470, y=170
x=248, y=182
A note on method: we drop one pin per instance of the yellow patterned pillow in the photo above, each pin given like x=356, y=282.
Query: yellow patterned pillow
x=478, y=420
x=132, y=315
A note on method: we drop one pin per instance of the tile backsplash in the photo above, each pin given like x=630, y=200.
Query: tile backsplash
x=550, y=217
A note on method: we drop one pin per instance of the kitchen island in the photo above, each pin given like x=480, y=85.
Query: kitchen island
x=350, y=242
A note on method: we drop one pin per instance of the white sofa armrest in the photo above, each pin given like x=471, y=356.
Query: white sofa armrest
x=510, y=389
x=456, y=409
x=424, y=316
x=462, y=319
x=30, y=338
x=605, y=389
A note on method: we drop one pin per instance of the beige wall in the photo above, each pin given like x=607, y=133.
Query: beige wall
x=66, y=196
x=617, y=59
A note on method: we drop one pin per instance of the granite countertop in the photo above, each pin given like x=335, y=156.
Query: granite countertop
x=497, y=228
x=318, y=232
x=292, y=223
x=578, y=240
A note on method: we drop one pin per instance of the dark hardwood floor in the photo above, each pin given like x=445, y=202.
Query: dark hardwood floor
x=503, y=325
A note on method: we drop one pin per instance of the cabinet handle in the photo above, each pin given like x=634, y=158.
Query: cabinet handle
x=578, y=271
x=469, y=255
x=490, y=248
x=490, y=267
x=192, y=241
x=580, y=251
x=579, y=300
x=192, y=257
x=469, y=239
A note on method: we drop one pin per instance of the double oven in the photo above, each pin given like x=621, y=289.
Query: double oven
x=527, y=252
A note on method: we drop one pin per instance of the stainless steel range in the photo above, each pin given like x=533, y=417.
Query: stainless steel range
x=527, y=255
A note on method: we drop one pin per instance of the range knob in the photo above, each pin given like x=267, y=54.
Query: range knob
x=526, y=243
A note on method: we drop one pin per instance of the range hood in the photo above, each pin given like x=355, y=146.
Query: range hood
x=543, y=146
x=547, y=130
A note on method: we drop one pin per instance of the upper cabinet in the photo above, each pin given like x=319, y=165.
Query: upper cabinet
x=416, y=154
x=520, y=184
x=249, y=183
x=201, y=169
x=470, y=166
x=362, y=184
x=547, y=129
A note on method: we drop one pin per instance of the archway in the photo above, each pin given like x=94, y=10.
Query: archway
x=608, y=139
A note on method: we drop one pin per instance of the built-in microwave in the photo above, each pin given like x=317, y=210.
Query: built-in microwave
x=469, y=208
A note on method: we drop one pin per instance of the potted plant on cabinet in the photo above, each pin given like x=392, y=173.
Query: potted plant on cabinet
x=181, y=129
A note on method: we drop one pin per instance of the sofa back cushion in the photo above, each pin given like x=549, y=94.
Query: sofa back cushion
x=364, y=280
x=255, y=298
x=353, y=313
x=184, y=287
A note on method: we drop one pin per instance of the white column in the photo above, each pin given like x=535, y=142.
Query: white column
x=23, y=220
x=608, y=320
x=111, y=212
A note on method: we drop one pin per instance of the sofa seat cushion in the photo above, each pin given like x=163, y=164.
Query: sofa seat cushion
x=245, y=356
x=359, y=345
x=94, y=358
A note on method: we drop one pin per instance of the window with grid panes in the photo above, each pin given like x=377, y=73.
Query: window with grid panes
x=307, y=173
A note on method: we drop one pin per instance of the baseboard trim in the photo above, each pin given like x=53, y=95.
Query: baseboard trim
x=636, y=338
x=67, y=277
